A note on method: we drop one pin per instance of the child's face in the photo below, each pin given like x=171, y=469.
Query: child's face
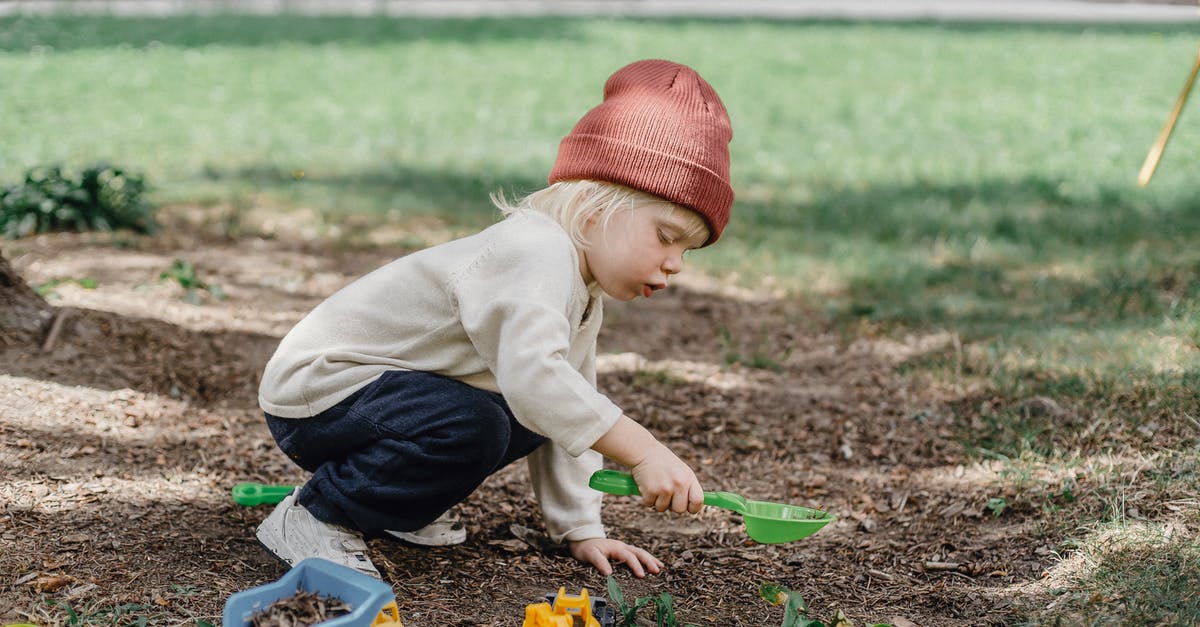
x=636, y=250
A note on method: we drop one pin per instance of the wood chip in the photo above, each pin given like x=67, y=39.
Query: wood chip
x=302, y=608
x=52, y=583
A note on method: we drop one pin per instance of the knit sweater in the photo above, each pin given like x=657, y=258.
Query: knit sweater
x=504, y=310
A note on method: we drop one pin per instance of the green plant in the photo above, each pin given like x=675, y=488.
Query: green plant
x=117, y=615
x=184, y=273
x=47, y=289
x=996, y=505
x=664, y=606
x=795, y=610
x=98, y=198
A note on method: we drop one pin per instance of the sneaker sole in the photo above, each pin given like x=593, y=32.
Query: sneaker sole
x=288, y=565
x=270, y=551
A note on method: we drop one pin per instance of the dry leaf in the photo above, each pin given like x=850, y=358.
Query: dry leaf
x=52, y=583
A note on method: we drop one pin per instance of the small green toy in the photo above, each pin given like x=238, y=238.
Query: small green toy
x=250, y=494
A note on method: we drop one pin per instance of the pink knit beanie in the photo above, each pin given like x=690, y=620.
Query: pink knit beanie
x=661, y=129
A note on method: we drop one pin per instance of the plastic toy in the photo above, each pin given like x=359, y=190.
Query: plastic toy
x=249, y=494
x=766, y=522
x=372, y=601
x=564, y=610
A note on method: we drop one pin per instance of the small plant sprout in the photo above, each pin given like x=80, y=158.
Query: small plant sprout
x=184, y=273
x=996, y=505
x=795, y=610
x=47, y=289
x=664, y=607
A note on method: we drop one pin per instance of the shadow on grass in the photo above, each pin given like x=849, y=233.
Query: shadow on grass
x=72, y=32
x=390, y=189
x=75, y=32
x=1036, y=211
x=1048, y=256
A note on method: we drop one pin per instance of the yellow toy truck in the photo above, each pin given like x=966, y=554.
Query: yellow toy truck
x=565, y=610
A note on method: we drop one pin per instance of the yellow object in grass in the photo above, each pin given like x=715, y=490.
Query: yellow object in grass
x=563, y=613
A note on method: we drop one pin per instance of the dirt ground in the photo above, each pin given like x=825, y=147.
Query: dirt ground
x=119, y=445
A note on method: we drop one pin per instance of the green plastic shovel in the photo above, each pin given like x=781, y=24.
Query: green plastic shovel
x=250, y=494
x=766, y=522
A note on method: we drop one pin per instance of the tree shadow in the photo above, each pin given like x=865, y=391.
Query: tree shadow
x=110, y=351
x=392, y=187
x=1033, y=210
x=81, y=32
x=77, y=32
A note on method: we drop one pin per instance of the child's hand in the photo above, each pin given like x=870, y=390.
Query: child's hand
x=666, y=482
x=597, y=552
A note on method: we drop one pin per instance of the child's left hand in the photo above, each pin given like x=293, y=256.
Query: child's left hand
x=597, y=552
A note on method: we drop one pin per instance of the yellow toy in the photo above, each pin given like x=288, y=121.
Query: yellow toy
x=566, y=611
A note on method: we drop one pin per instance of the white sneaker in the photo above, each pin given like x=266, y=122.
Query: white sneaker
x=291, y=534
x=446, y=530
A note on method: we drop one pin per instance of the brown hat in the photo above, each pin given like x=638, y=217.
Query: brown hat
x=661, y=129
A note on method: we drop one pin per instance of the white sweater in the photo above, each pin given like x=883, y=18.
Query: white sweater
x=504, y=310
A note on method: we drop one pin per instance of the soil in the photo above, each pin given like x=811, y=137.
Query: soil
x=120, y=442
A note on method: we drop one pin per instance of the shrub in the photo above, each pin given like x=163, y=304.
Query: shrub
x=98, y=198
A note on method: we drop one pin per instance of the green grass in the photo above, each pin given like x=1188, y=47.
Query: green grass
x=977, y=179
x=1139, y=573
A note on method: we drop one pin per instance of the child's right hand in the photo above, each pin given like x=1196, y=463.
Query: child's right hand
x=667, y=483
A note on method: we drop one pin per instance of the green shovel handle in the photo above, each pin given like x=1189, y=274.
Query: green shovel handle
x=250, y=494
x=614, y=482
x=622, y=484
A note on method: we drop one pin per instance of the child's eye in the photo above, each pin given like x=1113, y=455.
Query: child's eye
x=664, y=238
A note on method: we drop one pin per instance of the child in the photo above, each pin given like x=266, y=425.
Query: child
x=403, y=391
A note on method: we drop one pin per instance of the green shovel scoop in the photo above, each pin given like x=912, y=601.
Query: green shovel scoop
x=766, y=522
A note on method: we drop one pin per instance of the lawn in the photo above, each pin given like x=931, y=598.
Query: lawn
x=895, y=181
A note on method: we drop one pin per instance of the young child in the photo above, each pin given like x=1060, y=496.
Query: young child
x=406, y=389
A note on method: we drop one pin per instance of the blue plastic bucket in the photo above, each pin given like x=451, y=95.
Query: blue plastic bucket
x=370, y=600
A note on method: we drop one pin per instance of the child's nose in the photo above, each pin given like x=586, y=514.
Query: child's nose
x=673, y=264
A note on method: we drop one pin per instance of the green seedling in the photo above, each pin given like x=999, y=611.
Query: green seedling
x=184, y=273
x=795, y=610
x=47, y=289
x=766, y=522
x=664, y=607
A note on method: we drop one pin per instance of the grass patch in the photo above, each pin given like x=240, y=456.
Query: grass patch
x=1143, y=573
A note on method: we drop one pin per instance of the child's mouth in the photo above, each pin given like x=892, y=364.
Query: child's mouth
x=648, y=289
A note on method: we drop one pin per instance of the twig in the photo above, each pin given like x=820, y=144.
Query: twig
x=56, y=326
x=881, y=575
x=942, y=565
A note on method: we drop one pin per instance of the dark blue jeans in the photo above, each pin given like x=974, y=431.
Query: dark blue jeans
x=401, y=451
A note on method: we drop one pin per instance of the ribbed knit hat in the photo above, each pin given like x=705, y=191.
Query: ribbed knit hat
x=660, y=129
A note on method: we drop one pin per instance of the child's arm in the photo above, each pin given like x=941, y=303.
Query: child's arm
x=665, y=481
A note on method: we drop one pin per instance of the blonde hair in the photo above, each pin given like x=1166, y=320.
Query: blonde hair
x=572, y=203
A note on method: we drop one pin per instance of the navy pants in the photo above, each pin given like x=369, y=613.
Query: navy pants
x=401, y=451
